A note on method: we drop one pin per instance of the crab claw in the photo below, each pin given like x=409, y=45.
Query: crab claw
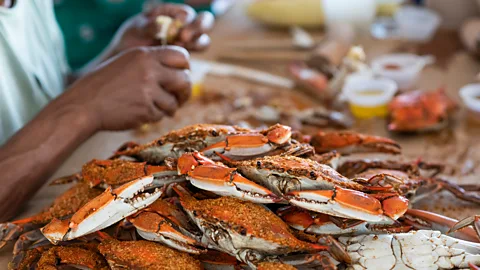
x=153, y=227
x=189, y=161
x=473, y=220
x=106, y=209
x=250, y=145
x=339, y=202
x=349, y=142
x=163, y=222
x=227, y=182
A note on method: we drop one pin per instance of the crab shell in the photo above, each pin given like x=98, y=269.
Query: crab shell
x=64, y=205
x=351, y=204
x=413, y=250
x=145, y=255
x=321, y=224
x=274, y=140
x=163, y=222
x=76, y=256
x=205, y=174
x=420, y=111
x=242, y=229
x=346, y=142
x=105, y=173
x=177, y=142
x=106, y=209
x=284, y=174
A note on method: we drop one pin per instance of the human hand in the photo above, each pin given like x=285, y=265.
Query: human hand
x=142, y=29
x=138, y=86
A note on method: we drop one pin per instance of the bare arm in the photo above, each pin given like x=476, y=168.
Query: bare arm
x=36, y=151
x=112, y=97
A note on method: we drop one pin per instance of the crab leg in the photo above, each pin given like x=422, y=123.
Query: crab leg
x=108, y=208
x=217, y=178
x=474, y=221
x=422, y=220
x=349, y=142
x=349, y=203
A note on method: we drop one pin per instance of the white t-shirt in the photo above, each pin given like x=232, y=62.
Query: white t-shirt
x=33, y=65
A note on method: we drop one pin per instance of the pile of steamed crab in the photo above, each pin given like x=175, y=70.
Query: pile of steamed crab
x=214, y=196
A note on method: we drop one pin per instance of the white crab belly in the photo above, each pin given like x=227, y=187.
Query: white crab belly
x=414, y=250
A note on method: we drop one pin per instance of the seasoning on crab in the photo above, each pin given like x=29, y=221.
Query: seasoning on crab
x=246, y=230
x=274, y=266
x=145, y=255
x=104, y=210
x=113, y=173
x=320, y=188
x=419, y=111
x=347, y=142
x=64, y=205
x=177, y=142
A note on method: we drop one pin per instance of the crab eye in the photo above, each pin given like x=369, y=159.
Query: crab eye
x=312, y=174
x=259, y=164
x=214, y=133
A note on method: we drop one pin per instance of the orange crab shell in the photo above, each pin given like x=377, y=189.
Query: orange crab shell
x=246, y=218
x=145, y=255
x=417, y=110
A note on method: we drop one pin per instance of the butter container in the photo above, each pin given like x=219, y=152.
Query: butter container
x=368, y=97
x=470, y=95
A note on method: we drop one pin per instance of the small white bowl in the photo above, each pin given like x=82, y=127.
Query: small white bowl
x=470, y=95
x=417, y=23
x=408, y=67
x=354, y=87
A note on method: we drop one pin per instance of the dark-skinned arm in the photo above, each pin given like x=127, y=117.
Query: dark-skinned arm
x=111, y=97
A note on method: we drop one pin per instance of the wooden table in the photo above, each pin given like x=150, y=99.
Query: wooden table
x=461, y=143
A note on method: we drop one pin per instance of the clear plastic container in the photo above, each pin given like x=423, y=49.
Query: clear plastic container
x=368, y=96
x=403, y=68
x=470, y=95
x=417, y=23
x=359, y=14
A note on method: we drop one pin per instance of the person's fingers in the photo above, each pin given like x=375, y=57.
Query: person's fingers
x=183, y=13
x=155, y=114
x=172, y=56
x=165, y=101
x=176, y=82
x=199, y=44
x=203, y=23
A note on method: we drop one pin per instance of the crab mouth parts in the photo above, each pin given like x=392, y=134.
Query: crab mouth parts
x=304, y=200
x=255, y=194
x=142, y=194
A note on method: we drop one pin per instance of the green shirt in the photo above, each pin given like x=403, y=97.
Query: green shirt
x=89, y=25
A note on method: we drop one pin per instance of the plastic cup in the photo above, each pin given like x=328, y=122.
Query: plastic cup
x=470, y=95
x=403, y=68
x=369, y=97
